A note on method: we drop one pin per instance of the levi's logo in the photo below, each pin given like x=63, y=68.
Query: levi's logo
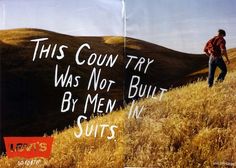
x=28, y=147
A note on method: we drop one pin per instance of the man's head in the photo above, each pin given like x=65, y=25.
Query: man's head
x=221, y=32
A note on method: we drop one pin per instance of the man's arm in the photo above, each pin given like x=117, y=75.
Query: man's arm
x=224, y=53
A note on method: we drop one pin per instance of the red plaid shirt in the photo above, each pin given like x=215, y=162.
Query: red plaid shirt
x=215, y=46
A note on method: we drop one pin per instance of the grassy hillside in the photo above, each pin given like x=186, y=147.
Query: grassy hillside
x=193, y=126
x=28, y=91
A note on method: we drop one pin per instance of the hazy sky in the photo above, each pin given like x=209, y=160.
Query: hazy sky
x=183, y=25
x=75, y=17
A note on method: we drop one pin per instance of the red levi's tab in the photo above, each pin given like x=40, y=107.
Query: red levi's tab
x=28, y=147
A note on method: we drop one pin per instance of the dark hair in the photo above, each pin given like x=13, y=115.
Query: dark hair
x=222, y=32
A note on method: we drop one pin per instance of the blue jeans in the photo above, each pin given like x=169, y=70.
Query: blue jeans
x=215, y=62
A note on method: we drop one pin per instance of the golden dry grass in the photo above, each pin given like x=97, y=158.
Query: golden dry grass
x=129, y=43
x=193, y=126
x=113, y=39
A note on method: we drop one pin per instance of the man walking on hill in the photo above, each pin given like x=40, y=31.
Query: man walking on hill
x=215, y=49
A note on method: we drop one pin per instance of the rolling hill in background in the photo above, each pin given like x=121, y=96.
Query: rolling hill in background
x=30, y=104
